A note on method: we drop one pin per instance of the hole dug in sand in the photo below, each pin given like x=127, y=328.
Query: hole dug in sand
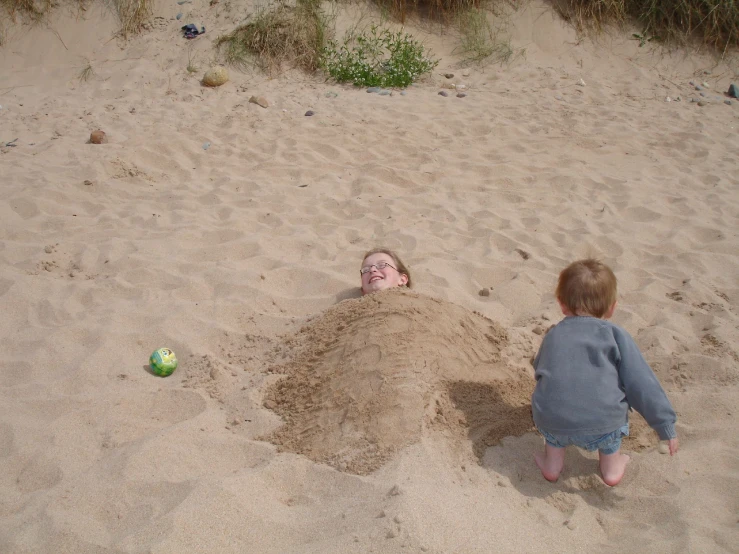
x=373, y=375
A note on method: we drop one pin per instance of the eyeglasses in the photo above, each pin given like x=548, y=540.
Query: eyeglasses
x=378, y=265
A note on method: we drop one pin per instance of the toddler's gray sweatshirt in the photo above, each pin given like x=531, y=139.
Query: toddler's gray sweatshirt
x=589, y=371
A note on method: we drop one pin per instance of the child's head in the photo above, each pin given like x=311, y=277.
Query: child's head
x=382, y=269
x=587, y=287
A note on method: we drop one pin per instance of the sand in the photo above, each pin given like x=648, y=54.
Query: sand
x=304, y=418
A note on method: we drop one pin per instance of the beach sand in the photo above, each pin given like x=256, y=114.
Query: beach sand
x=233, y=233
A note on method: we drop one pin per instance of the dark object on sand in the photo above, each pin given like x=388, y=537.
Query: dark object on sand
x=733, y=91
x=191, y=31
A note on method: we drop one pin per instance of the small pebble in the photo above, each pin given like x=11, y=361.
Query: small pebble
x=581, y=83
x=88, y=183
x=179, y=15
x=703, y=94
x=706, y=85
x=484, y=292
x=449, y=75
x=403, y=92
x=465, y=73
x=443, y=93
x=48, y=249
x=664, y=448
x=206, y=145
x=385, y=93
x=678, y=99
x=727, y=102
x=692, y=83
x=698, y=87
x=374, y=89
x=733, y=91
x=559, y=97
x=461, y=95
x=97, y=137
x=702, y=103
x=668, y=99
x=309, y=113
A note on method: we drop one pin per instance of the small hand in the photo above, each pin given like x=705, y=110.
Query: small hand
x=674, y=446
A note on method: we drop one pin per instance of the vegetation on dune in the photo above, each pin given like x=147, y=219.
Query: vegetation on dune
x=277, y=35
x=713, y=22
x=377, y=57
x=133, y=14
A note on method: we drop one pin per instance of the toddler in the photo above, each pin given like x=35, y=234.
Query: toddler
x=589, y=373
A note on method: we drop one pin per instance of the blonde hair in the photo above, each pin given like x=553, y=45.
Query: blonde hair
x=399, y=265
x=587, y=287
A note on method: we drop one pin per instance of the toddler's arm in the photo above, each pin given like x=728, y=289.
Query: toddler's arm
x=643, y=391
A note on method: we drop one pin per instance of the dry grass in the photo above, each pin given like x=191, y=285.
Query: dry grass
x=277, y=35
x=86, y=73
x=29, y=9
x=481, y=42
x=713, y=22
x=133, y=14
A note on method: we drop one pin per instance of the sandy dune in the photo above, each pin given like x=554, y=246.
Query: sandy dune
x=226, y=254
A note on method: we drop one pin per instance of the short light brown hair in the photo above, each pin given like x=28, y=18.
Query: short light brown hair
x=399, y=265
x=587, y=287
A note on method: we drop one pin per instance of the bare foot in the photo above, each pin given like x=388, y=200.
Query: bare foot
x=550, y=462
x=613, y=467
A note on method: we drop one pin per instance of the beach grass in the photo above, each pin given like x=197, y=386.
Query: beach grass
x=277, y=35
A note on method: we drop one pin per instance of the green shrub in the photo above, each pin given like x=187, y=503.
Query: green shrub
x=379, y=58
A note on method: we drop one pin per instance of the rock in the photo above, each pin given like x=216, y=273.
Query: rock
x=537, y=330
x=403, y=92
x=702, y=103
x=443, y=93
x=727, y=102
x=733, y=91
x=97, y=137
x=179, y=16
x=678, y=99
x=705, y=85
x=49, y=249
x=87, y=183
x=581, y=83
x=692, y=83
x=385, y=93
x=465, y=73
x=484, y=292
x=703, y=94
x=461, y=95
x=206, y=145
x=309, y=113
x=449, y=75
x=698, y=87
x=259, y=100
x=215, y=76
x=460, y=86
x=664, y=448
x=448, y=85
x=668, y=99
x=374, y=89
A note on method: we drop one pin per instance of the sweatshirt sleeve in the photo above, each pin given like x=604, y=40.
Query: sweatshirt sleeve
x=643, y=391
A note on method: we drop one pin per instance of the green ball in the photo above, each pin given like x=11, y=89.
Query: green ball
x=163, y=362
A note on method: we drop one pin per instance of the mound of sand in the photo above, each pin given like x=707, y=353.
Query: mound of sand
x=371, y=375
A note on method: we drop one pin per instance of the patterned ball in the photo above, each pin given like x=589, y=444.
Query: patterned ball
x=163, y=362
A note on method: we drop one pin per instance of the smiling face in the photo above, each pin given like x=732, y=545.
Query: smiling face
x=381, y=279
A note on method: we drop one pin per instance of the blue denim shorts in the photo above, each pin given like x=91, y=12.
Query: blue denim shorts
x=609, y=443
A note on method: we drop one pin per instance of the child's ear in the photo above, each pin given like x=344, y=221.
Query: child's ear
x=609, y=313
x=403, y=279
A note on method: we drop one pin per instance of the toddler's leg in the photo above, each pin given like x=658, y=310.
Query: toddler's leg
x=550, y=462
x=613, y=467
